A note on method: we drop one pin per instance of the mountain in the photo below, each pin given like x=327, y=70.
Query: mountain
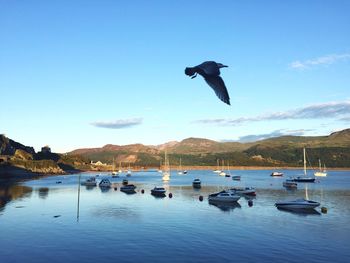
x=333, y=149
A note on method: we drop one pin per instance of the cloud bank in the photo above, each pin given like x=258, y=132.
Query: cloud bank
x=325, y=60
x=277, y=133
x=337, y=110
x=117, y=124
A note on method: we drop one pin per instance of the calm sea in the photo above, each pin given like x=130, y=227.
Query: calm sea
x=38, y=221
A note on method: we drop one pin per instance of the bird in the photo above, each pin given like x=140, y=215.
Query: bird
x=210, y=71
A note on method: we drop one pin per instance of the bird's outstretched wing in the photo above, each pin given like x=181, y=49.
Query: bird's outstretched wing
x=218, y=85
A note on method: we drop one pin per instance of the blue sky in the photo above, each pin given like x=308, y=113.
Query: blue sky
x=77, y=74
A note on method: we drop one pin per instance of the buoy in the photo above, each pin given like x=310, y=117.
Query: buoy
x=201, y=198
x=324, y=210
x=170, y=195
x=142, y=191
x=115, y=188
x=250, y=203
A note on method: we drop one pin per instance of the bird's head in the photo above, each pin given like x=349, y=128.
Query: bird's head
x=191, y=72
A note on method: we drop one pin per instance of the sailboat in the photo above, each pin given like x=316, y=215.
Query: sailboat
x=217, y=167
x=160, y=167
x=128, y=172
x=321, y=173
x=166, y=172
x=114, y=172
x=305, y=178
x=298, y=204
x=228, y=174
x=180, y=169
x=120, y=168
x=222, y=173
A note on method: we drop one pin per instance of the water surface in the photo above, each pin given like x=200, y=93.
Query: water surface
x=38, y=221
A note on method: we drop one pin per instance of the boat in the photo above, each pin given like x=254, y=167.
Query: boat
x=115, y=174
x=276, y=174
x=128, y=188
x=305, y=178
x=236, y=177
x=290, y=184
x=120, y=168
x=222, y=173
x=228, y=174
x=128, y=172
x=166, y=172
x=321, y=172
x=217, y=167
x=297, y=204
x=244, y=191
x=224, y=196
x=158, y=191
x=125, y=181
x=197, y=183
x=105, y=183
x=91, y=181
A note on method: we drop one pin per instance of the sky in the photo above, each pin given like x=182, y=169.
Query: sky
x=78, y=74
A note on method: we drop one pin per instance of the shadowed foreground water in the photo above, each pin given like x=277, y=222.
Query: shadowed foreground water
x=38, y=221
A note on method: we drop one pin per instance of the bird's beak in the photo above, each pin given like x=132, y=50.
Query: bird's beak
x=195, y=75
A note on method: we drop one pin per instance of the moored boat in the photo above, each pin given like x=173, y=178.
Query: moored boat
x=125, y=181
x=244, y=190
x=297, y=204
x=159, y=191
x=91, y=181
x=105, y=183
x=236, y=177
x=224, y=196
x=290, y=184
x=196, y=183
x=276, y=174
x=128, y=188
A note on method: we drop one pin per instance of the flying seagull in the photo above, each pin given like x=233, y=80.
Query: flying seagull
x=210, y=71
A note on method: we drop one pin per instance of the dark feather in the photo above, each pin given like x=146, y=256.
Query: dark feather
x=218, y=85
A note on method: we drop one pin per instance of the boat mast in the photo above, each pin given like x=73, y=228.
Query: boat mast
x=304, y=162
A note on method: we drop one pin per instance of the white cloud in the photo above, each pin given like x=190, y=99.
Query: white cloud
x=338, y=110
x=117, y=124
x=325, y=60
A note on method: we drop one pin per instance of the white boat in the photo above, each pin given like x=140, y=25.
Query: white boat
x=115, y=174
x=297, y=204
x=128, y=188
x=224, y=196
x=105, y=183
x=166, y=172
x=158, y=191
x=90, y=181
x=290, y=184
x=321, y=172
x=128, y=172
x=276, y=174
x=305, y=178
x=222, y=172
x=196, y=183
x=217, y=167
x=236, y=177
x=180, y=168
x=244, y=190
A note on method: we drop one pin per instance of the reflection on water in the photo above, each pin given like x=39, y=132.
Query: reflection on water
x=300, y=212
x=13, y=192
x=226, y=207
x=104, y=189
x=43, y=192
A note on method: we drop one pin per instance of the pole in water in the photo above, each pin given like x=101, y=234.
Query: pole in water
x=78, y=198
